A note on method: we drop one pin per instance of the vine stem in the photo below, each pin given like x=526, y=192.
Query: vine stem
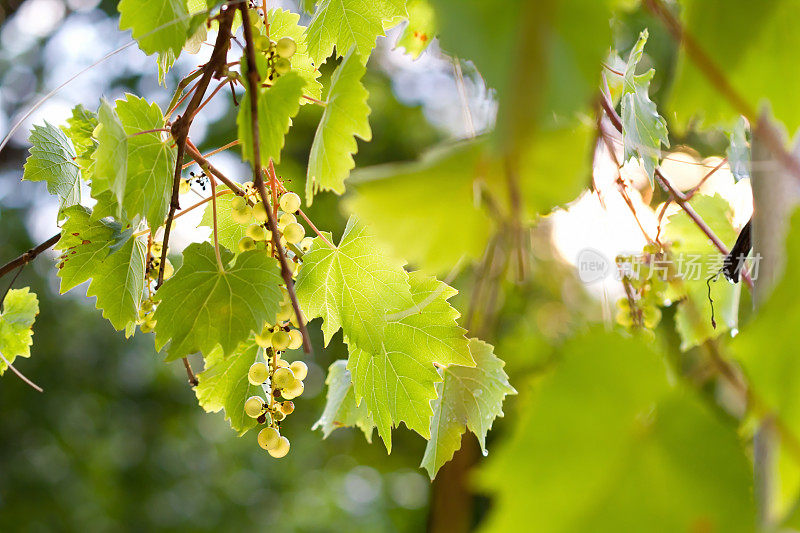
x=676, y=195
x=20, y=375
x=258, y=180
x=189, y=373
x=212, y=181
x=29, y=256
x=213, y=152
x=185, y=211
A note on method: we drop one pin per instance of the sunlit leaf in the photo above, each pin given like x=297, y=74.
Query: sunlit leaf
x=20, y=308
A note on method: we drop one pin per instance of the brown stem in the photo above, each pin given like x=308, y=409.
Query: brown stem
x=195, y=154
x=189, y=374
x=212, y=152
x=258, y=180
x=29, y=256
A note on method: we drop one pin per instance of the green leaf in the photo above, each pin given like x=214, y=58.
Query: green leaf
x=468, y=398
x=344, y=118
x=229, y=232
x=84, y=244
x=738, y=151
x=699, y=259
x=118, y=283
x=340, y=405
x=159, y=26
x=110, y=157
x=433, y=239
x=756, y=67
x=345, y=24
x=201, y=306
x=397, y=378
x=604, y=445
x=223, y=384
x=643, y=129
x=284, y=23
x=276, y=107
x=20, y=308
x=80, y=127
x=52, y=160
x=420, y=30
x=150, y=161
x=352, y=286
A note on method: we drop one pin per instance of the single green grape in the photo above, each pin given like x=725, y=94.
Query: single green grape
x=282, y=363
x=268, y=438
x=282, y=378
x=295, y=339
x=184, y=187
x=286, y=47
x=238, y=203
x=264, y=339
x=242, y=216
x=262, y=42
x=280, y=341
x=287, y=407
x=285, y=312
x=624, y=318
x=651, y=316
x=290, y=202
x=277, y=416
x=246, y=243
x=283, y=66
x=281, y=449
x=260, y=212
x=254, y=406
x=256, y=232
x=258, y=373
x=294, y=232
x=305, y=244
x=299, y=369
x=286, y=219
x=293, y=390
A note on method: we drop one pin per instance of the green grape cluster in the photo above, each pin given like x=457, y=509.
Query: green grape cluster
x=278, y=55
x=282, y=382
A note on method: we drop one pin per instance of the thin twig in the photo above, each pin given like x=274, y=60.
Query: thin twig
x=258, y=180
x=5, y=293
x=212, y=152
x=20, y=375
x=185, y=211
x=189, y=374
x=30, y=255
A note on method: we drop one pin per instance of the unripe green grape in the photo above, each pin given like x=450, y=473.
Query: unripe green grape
x=238, y=203
x=254, y=406
x=260, y=212
x=184, y=187
x=246, y=244
x=294, y=390
x=295, y=339
x=299, y=369
x=623, y=304
x=277, y=416
x=264, y=339
x=258, y=373
x=286, y=219
x=287, y=407
x=146, y=327
x=280, y=341
x=286, y=47
x=651, y=316
x=147, y=305
x=262, y=42
x=290, y=202
x=268, y=438
x=624, y=318
x=294, y=232
x=282, y=363
x=284, y=313
x=305, y=244
x=256, y=232
x=242, y=216
x=283, y=66
x=282, y=378
x=281, y=449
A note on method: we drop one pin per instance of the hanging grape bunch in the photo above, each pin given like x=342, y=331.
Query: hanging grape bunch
x=277, y=54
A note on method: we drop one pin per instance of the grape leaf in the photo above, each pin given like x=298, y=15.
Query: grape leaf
x=52, y=160
x=110, y=157
x=605, y=445
x=698, y=259
x=397, y=378
x=433, y=239
x=345, y=24
x=84, y=244
x=352, y=286
x=150, y=161
x=223, y=384
x=467, y=398
x=229, y=232
x=420, y=30
x=202, y=307
x=340, y=405
x=755, y=67
x=284, y=23
x=118, y=283
x=344, y=118
x=20, y=308
x=643, y=129
x=276, y=107
x=738, y=151
x=159, y=26
x=80, y=127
